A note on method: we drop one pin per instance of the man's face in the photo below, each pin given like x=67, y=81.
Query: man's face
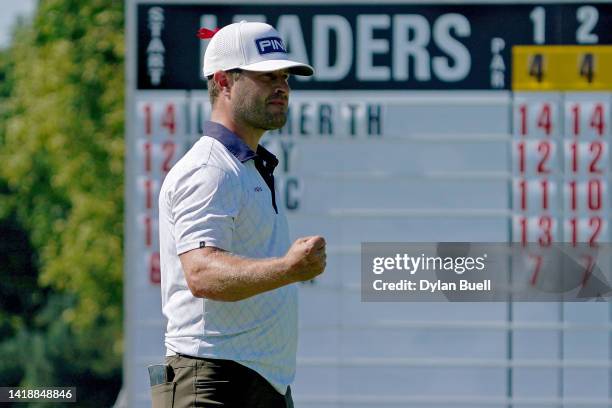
x=260, y=99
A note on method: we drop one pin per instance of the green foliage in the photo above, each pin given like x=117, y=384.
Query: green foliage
x=61, y=194
x=63, y=150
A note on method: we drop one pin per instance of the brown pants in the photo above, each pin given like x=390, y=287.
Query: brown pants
x=200, y=382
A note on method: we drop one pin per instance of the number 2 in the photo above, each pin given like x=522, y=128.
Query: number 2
x=544, y=150
x=169, y=149
x=596, y=148
x=587, y=16
x=595, y=224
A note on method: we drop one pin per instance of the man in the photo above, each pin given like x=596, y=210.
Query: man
x=228, y=269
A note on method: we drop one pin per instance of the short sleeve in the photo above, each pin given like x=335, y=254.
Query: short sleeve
x=204, y=206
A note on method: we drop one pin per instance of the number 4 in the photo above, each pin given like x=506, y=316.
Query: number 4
x=169, y=119
x=545, y=119
x=597, y=119
x=536, y=67
x=587, y=67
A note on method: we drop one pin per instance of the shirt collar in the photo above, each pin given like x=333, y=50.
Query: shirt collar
x=230, y=140
x=237, y=146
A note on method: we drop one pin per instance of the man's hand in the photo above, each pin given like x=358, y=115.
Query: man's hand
x=306, y=258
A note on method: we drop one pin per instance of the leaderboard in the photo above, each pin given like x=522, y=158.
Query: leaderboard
x=561, y=150
x=560, y=147
x=424, y=123
x=561, y=167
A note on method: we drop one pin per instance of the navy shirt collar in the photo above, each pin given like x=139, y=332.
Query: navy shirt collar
x=237, y=146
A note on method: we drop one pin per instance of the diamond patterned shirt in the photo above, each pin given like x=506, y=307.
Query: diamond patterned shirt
x=221, y=194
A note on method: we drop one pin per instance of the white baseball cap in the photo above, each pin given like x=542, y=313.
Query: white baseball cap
x=250, y=46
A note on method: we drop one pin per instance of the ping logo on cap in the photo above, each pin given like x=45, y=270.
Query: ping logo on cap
x=268, y=45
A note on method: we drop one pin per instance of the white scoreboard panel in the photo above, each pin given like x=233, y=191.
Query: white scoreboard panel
x=410, y=132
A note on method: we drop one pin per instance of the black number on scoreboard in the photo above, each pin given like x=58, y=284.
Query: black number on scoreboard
x=536, y=67
x=587, y=67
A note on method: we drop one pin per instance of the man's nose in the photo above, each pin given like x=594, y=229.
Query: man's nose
x=282, y=86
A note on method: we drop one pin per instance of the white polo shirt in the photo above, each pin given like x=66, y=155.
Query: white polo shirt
x=215, y=196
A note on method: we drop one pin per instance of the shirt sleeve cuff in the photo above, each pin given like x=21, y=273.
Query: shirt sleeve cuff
x=183, y=247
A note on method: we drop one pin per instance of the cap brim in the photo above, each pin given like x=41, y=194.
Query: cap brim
x=295, y=68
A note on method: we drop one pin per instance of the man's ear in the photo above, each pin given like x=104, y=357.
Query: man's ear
x=223, y=81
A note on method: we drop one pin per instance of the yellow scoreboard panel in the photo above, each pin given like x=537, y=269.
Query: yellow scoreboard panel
x=562, y=68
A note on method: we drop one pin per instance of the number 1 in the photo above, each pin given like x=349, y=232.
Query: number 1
x=147, y=119
x=521, y=148
x=523, y=112
x=538, y=17
x=576, y=118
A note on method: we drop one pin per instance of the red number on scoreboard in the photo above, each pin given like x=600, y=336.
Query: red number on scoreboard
x=597, y=119
x=154, y=269
x=574, y=225
x=594, y=196
x=545, y=120
x=536, y=268
x=521, y=148
x=576, y=119
x=544, y=184
x=169, y=119
x=597, y=149
x=523, y=223
x=595, y=224
x=149, y=194
x=169, y=149
x=588, y=270
x=148, y=231
x=574, y=147
x=544, y=150
x=147, y=119
x=148, y=147
x=523, y=112
x=573, y=195
x=523, y=192
x=545, y=222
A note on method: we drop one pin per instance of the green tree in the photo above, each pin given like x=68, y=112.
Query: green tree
x=61, y=182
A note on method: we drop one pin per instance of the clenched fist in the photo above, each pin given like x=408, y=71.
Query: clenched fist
x=306, y=258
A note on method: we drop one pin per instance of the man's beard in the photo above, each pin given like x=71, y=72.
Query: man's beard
x=256, y=115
